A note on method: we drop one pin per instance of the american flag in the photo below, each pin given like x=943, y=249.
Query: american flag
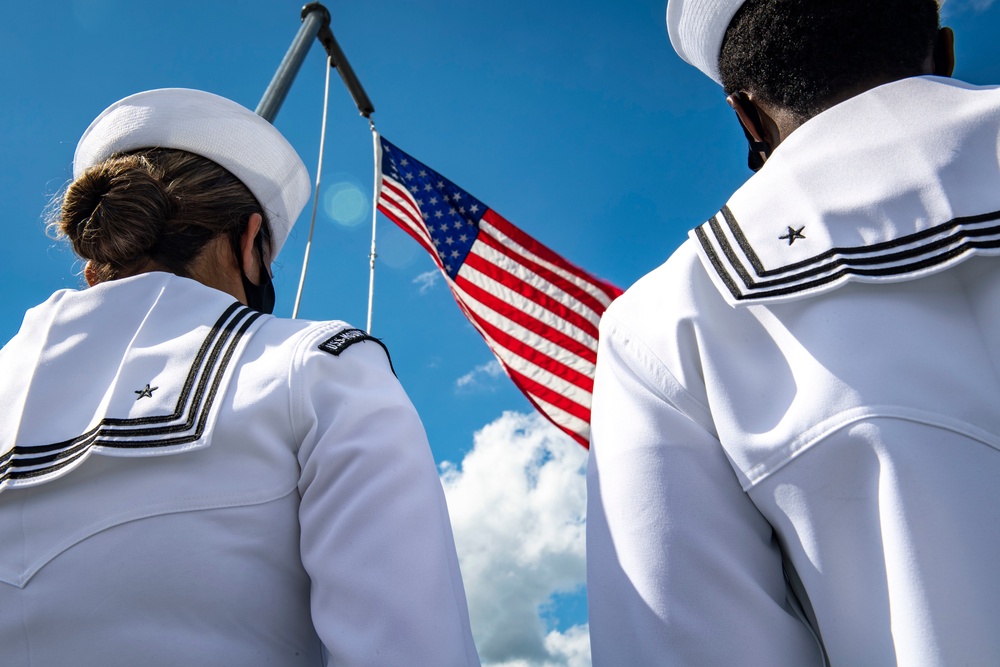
x=537, y=312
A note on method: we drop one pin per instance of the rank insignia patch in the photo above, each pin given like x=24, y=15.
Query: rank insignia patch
x=146, y=392
x=348, y=337
x=793, y=235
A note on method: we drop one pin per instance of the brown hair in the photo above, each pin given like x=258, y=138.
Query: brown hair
x=152, y=208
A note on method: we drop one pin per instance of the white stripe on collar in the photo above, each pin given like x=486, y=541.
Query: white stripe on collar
x=184, y=376
x=894, y=184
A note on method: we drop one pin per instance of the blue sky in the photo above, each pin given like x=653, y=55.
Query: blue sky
x=574, y=120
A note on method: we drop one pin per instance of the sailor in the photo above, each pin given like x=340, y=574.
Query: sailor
x=184, y=478
x=795, y=426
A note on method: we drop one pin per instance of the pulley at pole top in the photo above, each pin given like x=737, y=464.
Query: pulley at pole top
x=315, y=25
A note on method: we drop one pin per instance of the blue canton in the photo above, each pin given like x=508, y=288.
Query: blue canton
x=451, y=215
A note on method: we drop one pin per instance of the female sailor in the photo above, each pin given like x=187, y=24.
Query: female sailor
x=184, y=478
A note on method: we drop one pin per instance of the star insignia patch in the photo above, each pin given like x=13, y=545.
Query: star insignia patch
x=793, y=235
x=146, y=392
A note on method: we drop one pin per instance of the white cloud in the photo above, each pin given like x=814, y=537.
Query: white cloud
x=427, y=280
x=475, y=378
x=518, y=506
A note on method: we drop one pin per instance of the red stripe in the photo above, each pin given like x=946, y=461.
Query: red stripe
x=400, y=191
x=406, y=221
x=539, y=358
x=570, y=288
x=579, y=438
x=551, y=396
x=543, y=329
x=515, y=377
x=406, y=228
x=531, y=293
x=529, y=243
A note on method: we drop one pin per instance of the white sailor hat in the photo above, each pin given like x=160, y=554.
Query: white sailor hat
x=211, y=126
x=697, y=28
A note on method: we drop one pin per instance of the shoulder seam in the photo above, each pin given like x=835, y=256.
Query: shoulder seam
x=688, y=404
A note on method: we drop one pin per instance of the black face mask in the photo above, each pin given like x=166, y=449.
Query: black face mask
x=259, y=297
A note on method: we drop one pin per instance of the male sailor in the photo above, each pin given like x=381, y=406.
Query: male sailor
x=795, y=423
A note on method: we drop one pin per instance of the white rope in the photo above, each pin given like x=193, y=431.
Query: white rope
x=372, y=255
x=319, y=174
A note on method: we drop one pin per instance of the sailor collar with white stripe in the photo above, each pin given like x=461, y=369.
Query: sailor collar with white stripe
x=894, y=184
x=156, y=351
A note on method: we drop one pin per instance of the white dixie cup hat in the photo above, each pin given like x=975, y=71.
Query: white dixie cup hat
x=213, y=127
x=697, y=28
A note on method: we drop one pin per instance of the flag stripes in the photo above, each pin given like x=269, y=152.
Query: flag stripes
x=537, y=312
x=514, y=239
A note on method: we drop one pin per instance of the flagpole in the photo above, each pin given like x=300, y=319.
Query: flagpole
x=372, y=255
x=314, y=17
x=339, y=60
x=315, y=25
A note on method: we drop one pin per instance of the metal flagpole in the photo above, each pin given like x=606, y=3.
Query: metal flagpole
x=314, y=17
x=316, y=25
x=372, y=255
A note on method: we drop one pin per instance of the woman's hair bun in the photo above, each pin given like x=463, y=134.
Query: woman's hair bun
x=156, y=209
x=115, y=212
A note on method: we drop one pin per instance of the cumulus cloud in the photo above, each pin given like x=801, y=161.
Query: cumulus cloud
x=427, y=280
x=518, y=504
x=477, y=378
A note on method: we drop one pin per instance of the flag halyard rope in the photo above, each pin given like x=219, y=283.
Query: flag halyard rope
x=319, y=175
x=372, y=254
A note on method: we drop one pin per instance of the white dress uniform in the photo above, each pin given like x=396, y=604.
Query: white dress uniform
x=796, y=418
x=188, y=482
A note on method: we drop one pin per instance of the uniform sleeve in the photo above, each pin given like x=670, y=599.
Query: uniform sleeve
x=376, y=538
x=682, y=568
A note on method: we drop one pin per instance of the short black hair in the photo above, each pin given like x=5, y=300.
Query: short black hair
x=801, y=54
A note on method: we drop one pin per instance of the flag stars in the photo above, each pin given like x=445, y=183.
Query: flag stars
x=447, y=214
